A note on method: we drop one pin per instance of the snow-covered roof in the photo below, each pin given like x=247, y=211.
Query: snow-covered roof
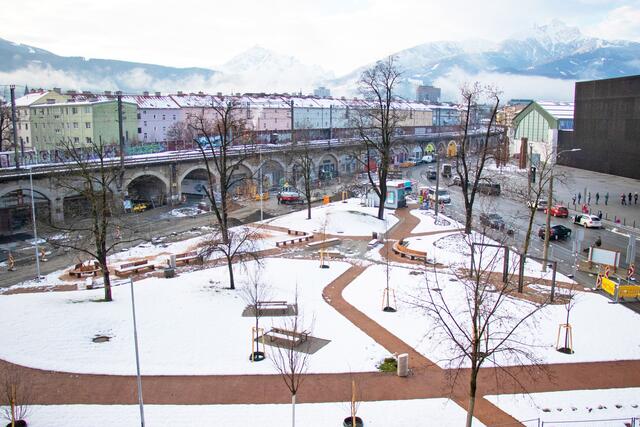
x=196, y=100
x=75, y=102
x=152, y=102
x=559, y=110
x=27, y=100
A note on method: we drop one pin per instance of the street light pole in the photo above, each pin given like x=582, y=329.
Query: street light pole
x=35, y=228
x=135, y=342
x=261, y=180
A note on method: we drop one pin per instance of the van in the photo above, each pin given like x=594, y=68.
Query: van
x=427, y=159
x=489, y=188
x=443, y=196
x=446, y=170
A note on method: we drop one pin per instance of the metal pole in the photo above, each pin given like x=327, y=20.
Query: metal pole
x=261, y=180
x=12, y=90
x=121, y=141
x=135, y=341
x=437, y=185
x=35, y=228
x=547, y=233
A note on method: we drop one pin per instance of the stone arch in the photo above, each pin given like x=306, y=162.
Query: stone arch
x=244, y=184
x=194, y=180
x=26, y=188
x=273, y=173
x=327, y=166
x=17, y=198
x=148, y=186
x=295, y=175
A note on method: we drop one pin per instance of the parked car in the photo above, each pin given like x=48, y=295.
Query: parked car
x=557, y=232
x=416, y=160
x=587, y=221
x=432, y=174
x=492, y=220
x=428, y=158
x=446, y=170
x=457, y=181
x=559, y=211
x=539, y=204
x=443, y=196
x=489, y=188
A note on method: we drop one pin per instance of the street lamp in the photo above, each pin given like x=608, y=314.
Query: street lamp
x=35, y=228
x=135, y=341
x=547, y=228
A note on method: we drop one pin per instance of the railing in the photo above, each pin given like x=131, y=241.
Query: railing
x=603, y=422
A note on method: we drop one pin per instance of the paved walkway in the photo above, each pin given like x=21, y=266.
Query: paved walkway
x=427, y=379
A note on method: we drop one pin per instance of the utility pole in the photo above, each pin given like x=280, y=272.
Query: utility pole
x=293, y=139
x=330, y=122
x=547, y=226
x=121, y=138
x=12, y=90
x=437, y=185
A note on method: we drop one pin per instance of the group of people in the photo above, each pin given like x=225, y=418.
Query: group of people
x=625, y=199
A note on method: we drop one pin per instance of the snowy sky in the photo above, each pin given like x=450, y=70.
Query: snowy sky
x=340, y=35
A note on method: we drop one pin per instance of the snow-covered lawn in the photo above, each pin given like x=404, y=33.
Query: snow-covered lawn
x=348, y=219
x=186, y=325
x=424, y=412
x=427, y=222
x=594, y=337
x=453, y=249
x=576, y=405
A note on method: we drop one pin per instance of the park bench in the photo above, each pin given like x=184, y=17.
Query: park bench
x=295, y=232
x=187, y=257
x=403, y=251
x=372, y=243
x=268, y=306
x=294, y=240
x=324, y=243
x=85, y=269
x=133, y=267
x=293, y=337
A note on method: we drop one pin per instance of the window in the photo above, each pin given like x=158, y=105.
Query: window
x=44, y=125
x=174, y=117
x=144, y=112
x=76, y=139
x=154, y=116
x=57, y=130
x=36, y=139
x=87, y=110
x=67, y=125
x=74, y=110
x=164, y=128
x=139, y=116
x=36, y=125
x=145, y=136
x=163, y=117
x=139, y=130
x=27, y=140
x=88, y=140
x=19, y=126
x=66, y=110
x=75, y=125
x=144, y=123
x=42, y=111
x=26, y=126
x=87, y=125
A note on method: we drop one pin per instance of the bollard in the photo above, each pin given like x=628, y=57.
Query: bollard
x=624, y=221
x=403, y=365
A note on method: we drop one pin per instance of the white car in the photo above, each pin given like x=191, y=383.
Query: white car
x=588, y=221
x=540, y=205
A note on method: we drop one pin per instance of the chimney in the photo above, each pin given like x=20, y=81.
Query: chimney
x=107, y=92
x=158, y=94
x=180, y=93
x=118, y=92
x=86, y=92
x=71, y=92
x=145, y=93
x=57, y=90
x=219, y=93
x=201, y=93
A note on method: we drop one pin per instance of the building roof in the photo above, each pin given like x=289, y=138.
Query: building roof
x=558, y=110
x=27, y=100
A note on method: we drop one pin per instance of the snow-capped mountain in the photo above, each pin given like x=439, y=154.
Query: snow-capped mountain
x=542, y=61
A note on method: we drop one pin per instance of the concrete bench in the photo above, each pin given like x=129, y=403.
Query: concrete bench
x=405, y=252
x=293, y=337
x=372, y=243
x=295, y=232
x=187, y=257
x=324, y=243
x=133, y=267
x=303, y=238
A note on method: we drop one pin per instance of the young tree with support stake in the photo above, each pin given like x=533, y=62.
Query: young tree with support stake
x=224, y=144
x=484, y=326
x=376, y=123
x=95, y=181
x=469, y=165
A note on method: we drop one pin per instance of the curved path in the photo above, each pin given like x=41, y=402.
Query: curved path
x=426, y=381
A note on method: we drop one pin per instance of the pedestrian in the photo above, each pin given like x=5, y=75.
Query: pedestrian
x=606, y=199
x=597, y=198
x=573, y=199
x=635, y=198
x=600, y=214
x=623, y=199
x=629, y=197
x=589, y=198
x=579, y=197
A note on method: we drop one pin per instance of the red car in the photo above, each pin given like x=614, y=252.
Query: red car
x=559, y=211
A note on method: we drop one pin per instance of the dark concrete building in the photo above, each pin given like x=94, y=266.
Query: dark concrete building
x=606, y=127
x=427, y=93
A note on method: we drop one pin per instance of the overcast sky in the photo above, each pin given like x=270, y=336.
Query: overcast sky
x=339, y=35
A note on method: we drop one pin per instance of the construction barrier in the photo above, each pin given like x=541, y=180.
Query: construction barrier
x=618, y=291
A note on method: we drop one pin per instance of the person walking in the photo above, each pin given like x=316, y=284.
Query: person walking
x=623, y=199
x=579, y=197
x=629, y=197
x=589, y=198
x=606, y=199
x=635, y=198
x=597, y=197
x=573, y=199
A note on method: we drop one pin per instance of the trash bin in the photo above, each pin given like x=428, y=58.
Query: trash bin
x=169, y=273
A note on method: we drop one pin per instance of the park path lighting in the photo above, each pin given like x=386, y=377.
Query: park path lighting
x=135, y=342
x=547, y=234
x=35, y=227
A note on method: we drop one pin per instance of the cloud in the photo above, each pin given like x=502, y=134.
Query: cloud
x=621, y=23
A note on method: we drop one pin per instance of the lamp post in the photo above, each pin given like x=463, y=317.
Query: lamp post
x=261, y=181
x=547, y=227
x=135, y=342
x=35, y=228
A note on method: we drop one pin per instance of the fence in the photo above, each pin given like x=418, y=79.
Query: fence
x=607, y=422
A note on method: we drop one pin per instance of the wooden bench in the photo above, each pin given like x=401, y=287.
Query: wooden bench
x=187, y=257
x=296, y=338
x=403, y=251
x=324, y=243
x=296, y=233
x=133, y=267
x=304, y=238
x=269, y=306
x=83, y=269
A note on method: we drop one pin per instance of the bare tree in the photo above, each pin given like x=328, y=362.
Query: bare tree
x=303, y=167
x=290, y=362
x=376, y=123
x=224, y=142
x=254, y=292
x=483, y=325
x=16, y=394
x=6, y=127
x=89, y=174
x=471, y=158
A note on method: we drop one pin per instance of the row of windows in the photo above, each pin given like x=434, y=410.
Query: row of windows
x=51, y=140
x=65, y=110
x=76, y=125
x=164, y=116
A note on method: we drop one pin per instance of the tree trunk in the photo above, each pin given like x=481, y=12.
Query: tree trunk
x=230, y=267
x=106, y=278
x=472, y=397
x=293, y=410
x=468, y=221
x=383, y=198
x=527, y=237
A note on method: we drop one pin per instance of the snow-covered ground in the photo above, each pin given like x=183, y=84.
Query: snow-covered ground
x=423, y=412
x=427, y=222
x=593, y=337
x=348, y=219
x=186, y=325
x=576, y=405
